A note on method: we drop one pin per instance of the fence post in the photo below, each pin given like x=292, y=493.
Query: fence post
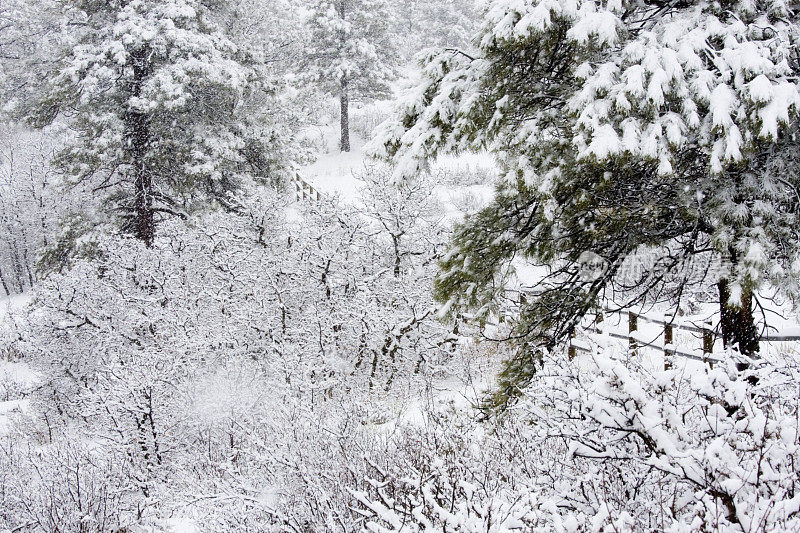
x=572, y=351
x=669, y=340
x=598, y=320
x=708, y=343
x=633, y=326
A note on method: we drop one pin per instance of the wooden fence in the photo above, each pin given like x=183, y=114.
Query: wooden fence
x=304, y=190
x=669, y=328
x=705, y=332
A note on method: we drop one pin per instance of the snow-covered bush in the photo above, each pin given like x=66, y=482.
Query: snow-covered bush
x=64, y=487
x=365, y=118
x=607, y=443
x=29, y=206
x=241, y=374
x=188, y=359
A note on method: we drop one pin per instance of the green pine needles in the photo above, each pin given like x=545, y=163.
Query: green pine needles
x=625, y=130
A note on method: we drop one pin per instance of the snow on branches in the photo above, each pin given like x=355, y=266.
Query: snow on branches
x=605, y=442
x=173, y=358
x=619, y=127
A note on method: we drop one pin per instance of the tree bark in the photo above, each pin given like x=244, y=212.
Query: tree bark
x=344, y=96
x=344, y=102
x=17, y=267
x=4, y=284
x=736, y=320
x=397, y=263
x=142, y=223
x=143, y=213
x=25, y=256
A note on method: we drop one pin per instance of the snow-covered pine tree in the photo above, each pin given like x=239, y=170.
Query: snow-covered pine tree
x=165, y=109
x=30, y=46
x=620, y=126
x=348, y=52
x=425, y=24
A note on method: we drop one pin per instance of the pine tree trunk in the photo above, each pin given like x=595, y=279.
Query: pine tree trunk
x=142, y=223
x=344, y=101
x=736, y=320
x=344, y=96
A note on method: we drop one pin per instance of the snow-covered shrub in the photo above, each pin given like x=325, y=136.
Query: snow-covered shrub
x=196, y=361
x=447, y=475
x=64, y=487
x=30, y=205
x=365, y=118
x=606, y=443
x=464, y=170
x=241, y=372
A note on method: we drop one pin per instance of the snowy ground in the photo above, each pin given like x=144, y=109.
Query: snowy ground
x=12, y=303
x=467, y=180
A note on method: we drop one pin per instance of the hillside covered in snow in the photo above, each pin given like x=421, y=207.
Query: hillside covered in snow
x=399, y=266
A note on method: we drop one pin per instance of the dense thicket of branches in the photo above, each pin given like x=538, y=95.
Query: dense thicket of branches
x=198, y=350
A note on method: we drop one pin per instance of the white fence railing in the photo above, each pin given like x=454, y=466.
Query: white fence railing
x=665, y=341
x=304, y=190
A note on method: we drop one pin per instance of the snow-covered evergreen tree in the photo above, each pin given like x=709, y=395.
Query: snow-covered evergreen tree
x=167, y=112
x=425, y=24
x=348, y=52
x=30, y=45
x=619, y=126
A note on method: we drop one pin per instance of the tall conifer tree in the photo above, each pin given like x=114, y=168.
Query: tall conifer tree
x=622, y=127
x=163, y=107
x=349, y=53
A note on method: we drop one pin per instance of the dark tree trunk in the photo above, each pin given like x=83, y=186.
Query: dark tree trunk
x=143, y=213
x=344, y=101
x=397, y=263
x=18, y=267
x=42, y=219
x=24, y=263
x=25, y=256
x=137, y=131
x=736, y=320
x=4, y=284
x=344, y=96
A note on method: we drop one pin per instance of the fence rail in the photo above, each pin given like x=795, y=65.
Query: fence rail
x=669, y=328
x=693, y=328
x=668, y=347
x=304, y=190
